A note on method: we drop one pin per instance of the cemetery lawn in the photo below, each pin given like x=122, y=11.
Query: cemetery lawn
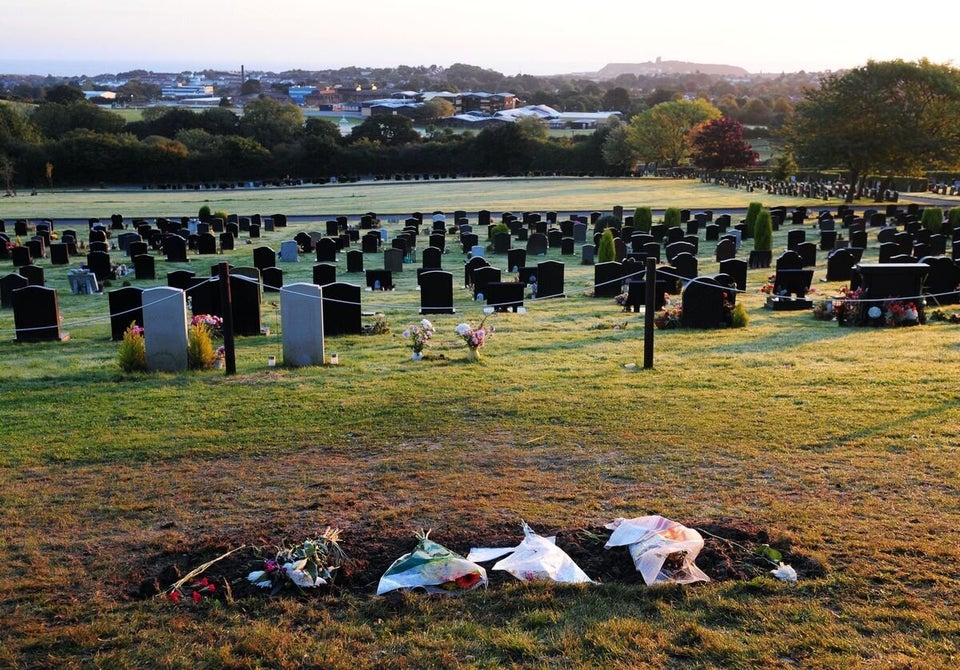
x=836, y=446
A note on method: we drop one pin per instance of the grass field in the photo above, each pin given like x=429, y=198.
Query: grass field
x=838, y=446
x=391, y=199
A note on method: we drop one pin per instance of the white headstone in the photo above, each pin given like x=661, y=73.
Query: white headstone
x=477, y=250
x=301, y=318
x=289, y=252
x=165, y=328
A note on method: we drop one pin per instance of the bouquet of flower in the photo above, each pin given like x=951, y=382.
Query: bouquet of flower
x=899, y=313
x=419, y=335
x=474, y=337
x=213, y=323
x=307, y=565
x=669, y=317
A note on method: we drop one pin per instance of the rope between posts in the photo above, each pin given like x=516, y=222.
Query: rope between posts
x=402, y=306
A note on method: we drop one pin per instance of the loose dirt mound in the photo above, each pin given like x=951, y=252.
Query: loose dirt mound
x=729, y=553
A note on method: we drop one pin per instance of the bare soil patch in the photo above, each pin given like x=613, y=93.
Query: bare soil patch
x=733, y=557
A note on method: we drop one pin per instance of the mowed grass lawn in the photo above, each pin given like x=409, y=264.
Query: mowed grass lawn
x=838, y=446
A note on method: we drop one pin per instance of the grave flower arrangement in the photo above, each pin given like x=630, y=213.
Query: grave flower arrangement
x=900, y=313
x=213, y=323
x=940, y=315
x=474, y=337
x=669, y=317
x=304, y=566
x=768, y=288
x=419, y=335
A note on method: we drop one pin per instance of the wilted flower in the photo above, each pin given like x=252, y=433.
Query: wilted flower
x=784, y=573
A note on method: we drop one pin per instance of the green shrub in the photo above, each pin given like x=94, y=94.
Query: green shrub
x=221, y=214
x=753, y=210
x=499, y=228
x=671, y=216
x=132, y=356
x=604, y=222
x=204, y=214
x=200, y=351
x=642, y=219
x=763, y=231
x=739, y=318
x=953, y=219
x=932, y=219
x=607, y=250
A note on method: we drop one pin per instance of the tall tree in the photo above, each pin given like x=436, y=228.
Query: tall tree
x=882, y=119
x=662, y=132
x=386, y=130
x=271, y=123
x=719, y=144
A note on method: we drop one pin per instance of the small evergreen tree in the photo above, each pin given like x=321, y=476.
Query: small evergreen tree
x=753, y=209
x=642, y=219
x=671, y=216
x=953, y=220
x=204, y=214
x=607, y=250
x=932, y=219
x=763, y=231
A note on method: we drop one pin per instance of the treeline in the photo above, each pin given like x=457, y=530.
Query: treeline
x=73, y=142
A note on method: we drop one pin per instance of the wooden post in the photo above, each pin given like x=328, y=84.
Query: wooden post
x=226, y=302
x=649, y=312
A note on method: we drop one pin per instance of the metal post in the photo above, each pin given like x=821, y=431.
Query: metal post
x=226, y=302
x=649, y=311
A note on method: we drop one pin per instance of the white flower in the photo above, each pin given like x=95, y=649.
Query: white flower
x=874, y=312
x=295, y=573
x=259, y=578
x=785, y=573
x=463, y=329
x=910, y=315
x=426, y=324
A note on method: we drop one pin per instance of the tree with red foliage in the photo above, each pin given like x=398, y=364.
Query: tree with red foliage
x=719, y=144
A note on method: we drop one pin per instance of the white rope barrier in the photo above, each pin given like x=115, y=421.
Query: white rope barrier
x=402, y=306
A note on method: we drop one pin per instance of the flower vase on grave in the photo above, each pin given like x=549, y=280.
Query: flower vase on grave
x=417, y=355
x=473, y=353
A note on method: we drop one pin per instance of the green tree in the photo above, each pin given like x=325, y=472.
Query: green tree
x=662, y=132
x=6, y=175
x=606, y=250
x=617, y=99
x=437, y=108
x=616, y=149
x=884, y=118
x=763, y=231
x=671, y=216
x=271, y=123
x=16, y=128
x=386, y=130
x=719, y=144
x=753, y=211
x=932, y=219
x=643, y=219
x=55, y=120
x=64, y=94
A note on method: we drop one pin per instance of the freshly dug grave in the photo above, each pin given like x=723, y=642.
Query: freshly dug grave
x=730, y=552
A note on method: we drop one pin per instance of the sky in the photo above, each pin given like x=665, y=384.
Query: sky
x=64, y=37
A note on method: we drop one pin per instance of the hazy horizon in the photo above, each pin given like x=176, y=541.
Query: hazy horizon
x=109, y=36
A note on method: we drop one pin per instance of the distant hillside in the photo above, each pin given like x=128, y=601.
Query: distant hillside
x=614, y=70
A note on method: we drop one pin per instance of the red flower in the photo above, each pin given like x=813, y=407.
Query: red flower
x=196, y=597
x=174, y=596
x=467, y=580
